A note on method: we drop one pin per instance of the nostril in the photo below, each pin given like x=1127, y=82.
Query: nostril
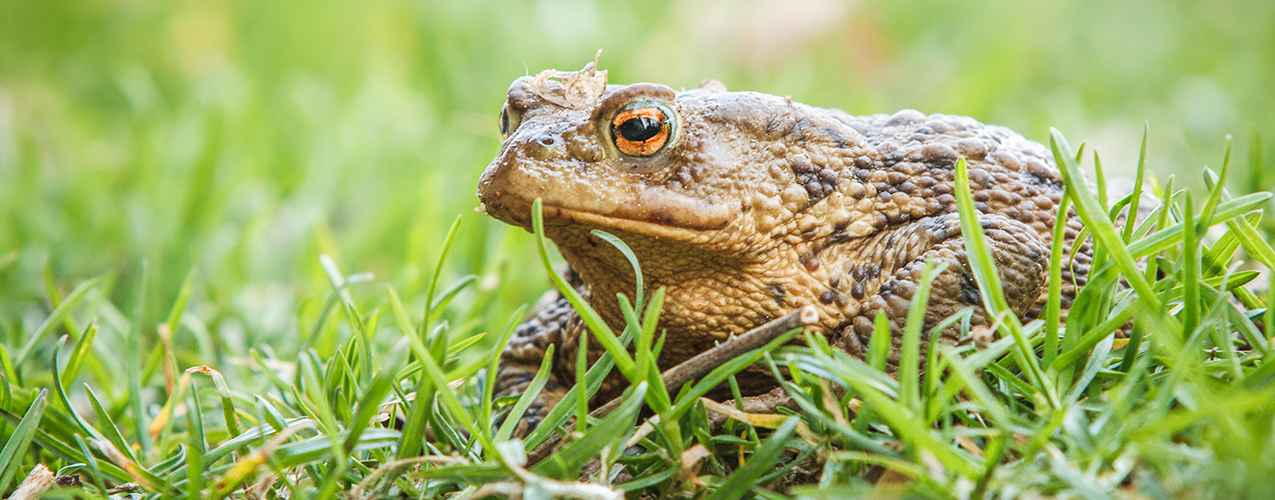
x=546, y=141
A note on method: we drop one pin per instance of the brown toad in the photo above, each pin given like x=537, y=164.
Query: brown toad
x=746, y=206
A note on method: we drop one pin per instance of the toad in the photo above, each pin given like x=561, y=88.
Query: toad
x=745, y=206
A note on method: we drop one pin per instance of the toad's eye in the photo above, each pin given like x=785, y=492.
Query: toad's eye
x=642, y=129
x=509, y=120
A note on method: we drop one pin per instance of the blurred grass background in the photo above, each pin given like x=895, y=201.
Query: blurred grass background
x=248, y=137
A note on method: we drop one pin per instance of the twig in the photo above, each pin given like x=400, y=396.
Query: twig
x=696, y=367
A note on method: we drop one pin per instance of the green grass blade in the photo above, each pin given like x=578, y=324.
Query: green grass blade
x=562, y=411
x=1093, y=215
x=80, y=354
x=689, y=398
x=453, y=405
x=133, y=353
x=909, y=357
x=62, y=395
x=1171, y=234
x=370, y=402
x=194, y=461
x=528, y=396
x=1254, y=243
x=1139, y=177
x=582, y=371
x=1268, y=319
x=418, y=411
x=179, y=306
x=95, y=472
x=633, y=262
x=976, y=245
x=759, y=463
x=227, y=400
x=1215, y=259
x=995, y=411
x=63, y=451
x=449, y=293
x=565, y=464
x=8, y=370
x=489, y=385
x=438, y=271
x=1100, y=177
x=879, y=344
x=59, y=313
x=874, y=388
x=198, y=441
x=1215, y=191
x=1097, y=361
x=109, y=429
x=984, y=269
x=314, y=449
x=645, y=351
x=1190, y=270
x=1091, y=338
x=455, y=348
x=596, y=324
x=16, y=447
x=1053, y=305
x=270, y=415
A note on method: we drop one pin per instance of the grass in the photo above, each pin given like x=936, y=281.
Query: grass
x=268, y=189
x=1180, y=407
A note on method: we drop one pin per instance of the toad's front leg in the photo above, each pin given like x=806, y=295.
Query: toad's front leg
x=522, y=357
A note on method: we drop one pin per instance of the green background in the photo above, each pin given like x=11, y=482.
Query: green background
x=248, y=137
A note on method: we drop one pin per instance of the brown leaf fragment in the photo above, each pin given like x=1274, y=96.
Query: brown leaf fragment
x=969, y=445
x=36, y=483
x=890, y=477
x=690, y=463
x=571, y=89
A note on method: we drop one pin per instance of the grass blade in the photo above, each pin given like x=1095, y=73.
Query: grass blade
x=133, y=353
x=562, y=411
x=1139, y=177
x=179, y=306
x=62, y=395
x=16, y=446
x=633, y=262
x=984, y=269
x=1190, y=270
x=909, y=358
x=433, y=280
x=528, y=396
x=1093, y=215
x=759, y=463
x=80, y=354
x=565, y=464
x=1053, y=305
x=596, y=324
x=489, y=385
x=109, y=429
x=370, y=402
x=59, y=313
x=1215, y=194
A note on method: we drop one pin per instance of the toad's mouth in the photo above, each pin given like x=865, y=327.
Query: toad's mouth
x=660, y=220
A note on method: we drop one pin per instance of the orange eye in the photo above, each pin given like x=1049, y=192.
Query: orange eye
x=641, y=129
